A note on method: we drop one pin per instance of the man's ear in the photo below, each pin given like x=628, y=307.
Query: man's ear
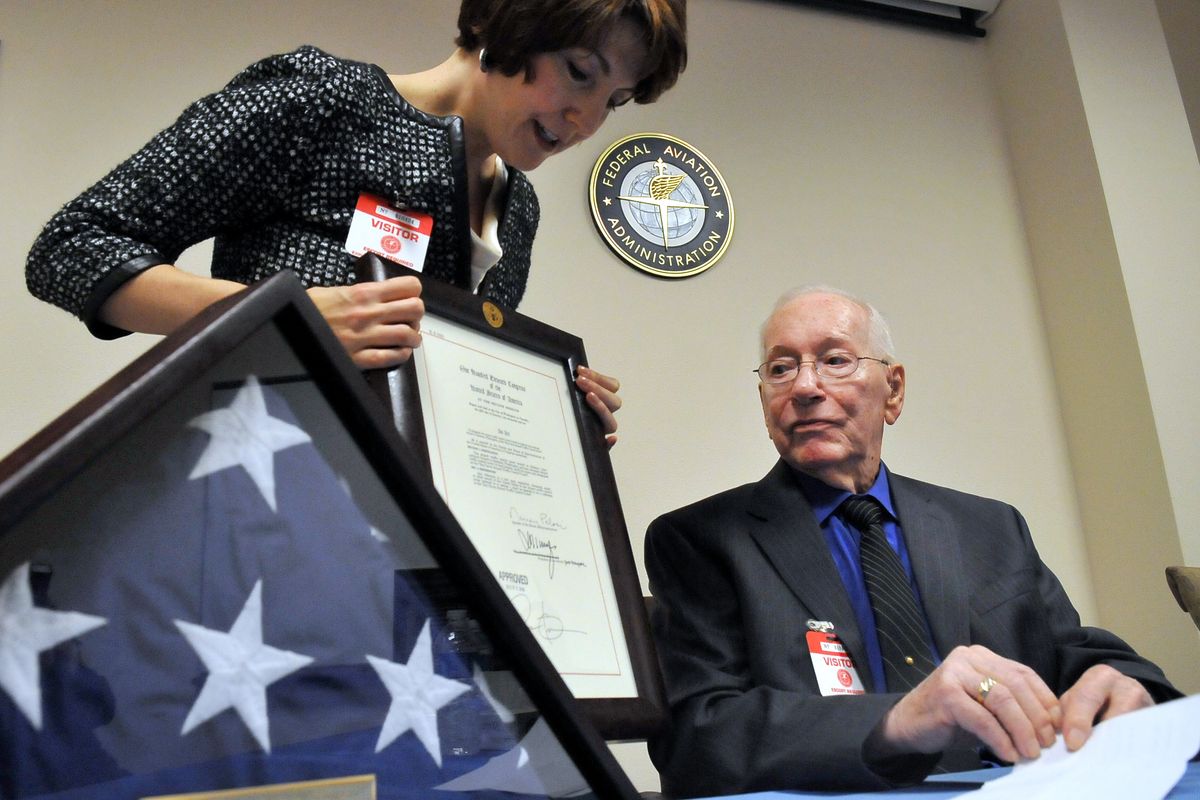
x=762, y=399
x=895, y=399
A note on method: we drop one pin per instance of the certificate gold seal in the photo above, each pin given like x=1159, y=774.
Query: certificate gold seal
x=493, y=314
x=661, y=205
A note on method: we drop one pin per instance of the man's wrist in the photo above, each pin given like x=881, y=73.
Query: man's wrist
x=893, y=762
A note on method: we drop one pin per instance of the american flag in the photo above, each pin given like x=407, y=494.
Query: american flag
x=210, y=604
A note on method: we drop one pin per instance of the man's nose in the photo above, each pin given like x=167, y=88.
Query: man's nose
x=807, y=383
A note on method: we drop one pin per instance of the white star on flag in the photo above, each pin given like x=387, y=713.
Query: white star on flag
x=417, y=694
x=244, y=433
x=240, y=668
x=25, y=631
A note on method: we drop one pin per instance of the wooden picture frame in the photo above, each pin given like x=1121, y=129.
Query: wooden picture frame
x=637, y=709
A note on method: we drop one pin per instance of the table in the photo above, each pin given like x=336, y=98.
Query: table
x=944, y=787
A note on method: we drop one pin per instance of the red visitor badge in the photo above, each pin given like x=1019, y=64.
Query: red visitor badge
x=399, y=236
x=832, y=664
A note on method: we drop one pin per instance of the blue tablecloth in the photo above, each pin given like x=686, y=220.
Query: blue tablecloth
x=944, y=787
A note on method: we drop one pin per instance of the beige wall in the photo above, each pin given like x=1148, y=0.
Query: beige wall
x=858, y=153
x=1109, y=183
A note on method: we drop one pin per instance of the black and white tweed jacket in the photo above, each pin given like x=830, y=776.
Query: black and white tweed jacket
x=272, y=166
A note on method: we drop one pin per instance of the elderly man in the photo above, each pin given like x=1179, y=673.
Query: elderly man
x=838, y=626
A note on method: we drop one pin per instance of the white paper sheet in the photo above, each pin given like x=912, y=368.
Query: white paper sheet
x=1142, y=754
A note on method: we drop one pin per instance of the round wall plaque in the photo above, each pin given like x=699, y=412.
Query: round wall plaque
x=661, y=205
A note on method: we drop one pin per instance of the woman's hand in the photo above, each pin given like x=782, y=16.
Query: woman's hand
x=600, y=392
x=377, y=322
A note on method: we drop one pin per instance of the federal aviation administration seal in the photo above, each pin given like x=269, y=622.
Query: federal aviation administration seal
x=661, y=205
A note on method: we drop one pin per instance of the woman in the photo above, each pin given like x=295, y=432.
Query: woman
x=273, y=165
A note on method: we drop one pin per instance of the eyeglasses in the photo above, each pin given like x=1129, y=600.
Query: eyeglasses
x=835, y=364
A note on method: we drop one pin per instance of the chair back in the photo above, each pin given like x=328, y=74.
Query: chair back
x=1185, y=585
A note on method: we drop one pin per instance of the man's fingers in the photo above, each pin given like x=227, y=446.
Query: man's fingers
x=1024, y=731
x=1100, y=693
x=927, y=718
x=985, y=726
x=1130, y=696
x=1037, y=703
x=1012, y=694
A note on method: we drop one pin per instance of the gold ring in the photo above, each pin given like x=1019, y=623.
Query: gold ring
x=985, y=687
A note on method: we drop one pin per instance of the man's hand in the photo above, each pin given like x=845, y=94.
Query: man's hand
x=1016, y=717
x=600, y=392
x=1100, y=693
x=377, y=322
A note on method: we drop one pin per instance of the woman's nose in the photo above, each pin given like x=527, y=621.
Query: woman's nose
x=587, y=117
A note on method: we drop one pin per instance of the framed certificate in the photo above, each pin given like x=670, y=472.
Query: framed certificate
x=522, y=462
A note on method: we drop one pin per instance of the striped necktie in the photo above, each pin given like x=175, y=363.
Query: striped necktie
x=899, y=624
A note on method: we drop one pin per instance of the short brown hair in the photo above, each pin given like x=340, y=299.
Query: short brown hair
x=513, y=31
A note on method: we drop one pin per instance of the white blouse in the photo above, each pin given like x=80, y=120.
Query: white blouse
x=485, y=245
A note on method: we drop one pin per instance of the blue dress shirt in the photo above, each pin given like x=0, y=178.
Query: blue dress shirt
x=843, y=546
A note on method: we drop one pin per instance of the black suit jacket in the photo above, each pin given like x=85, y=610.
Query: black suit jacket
x=737, y=575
